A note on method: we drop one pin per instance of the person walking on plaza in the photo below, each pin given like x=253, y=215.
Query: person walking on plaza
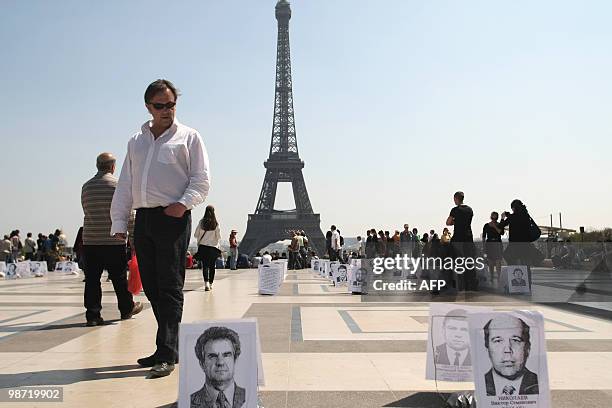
x=208, y=235
x=462, y=242
x=233, y=250
x=29, y=247
x=102, y=250
x=164, y=175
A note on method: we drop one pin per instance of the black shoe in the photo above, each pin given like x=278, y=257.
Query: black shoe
x=162, y=369
x=147, y=361
x=95, y=322
x=137, y=308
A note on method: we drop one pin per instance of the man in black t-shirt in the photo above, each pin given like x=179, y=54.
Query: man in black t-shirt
x=463, y=241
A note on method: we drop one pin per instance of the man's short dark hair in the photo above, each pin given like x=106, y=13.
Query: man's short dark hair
x=459, y=196
x=519, y=270
x=524, y=333
x=159, y=86
x=455, y=314
x=217, y=333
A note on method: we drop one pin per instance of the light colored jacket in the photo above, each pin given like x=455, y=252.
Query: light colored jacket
x=208, y=238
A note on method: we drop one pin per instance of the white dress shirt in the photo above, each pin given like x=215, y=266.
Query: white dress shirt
x=158, y=172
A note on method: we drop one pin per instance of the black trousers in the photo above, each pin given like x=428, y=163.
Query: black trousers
x=468, y=280
x=113, y=259
x=161, y=248
x=209, y=262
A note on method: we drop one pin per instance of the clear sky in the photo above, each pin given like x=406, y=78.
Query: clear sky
x=398, y=104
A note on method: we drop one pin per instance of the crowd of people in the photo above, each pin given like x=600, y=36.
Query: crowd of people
x=460, y=243
x=50, y=248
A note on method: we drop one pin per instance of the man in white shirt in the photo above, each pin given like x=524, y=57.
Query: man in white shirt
x=335, y=244
x=266, y=259
x=164, y=175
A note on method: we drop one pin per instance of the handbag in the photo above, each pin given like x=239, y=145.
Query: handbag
x=534, y=230
x=134, y=282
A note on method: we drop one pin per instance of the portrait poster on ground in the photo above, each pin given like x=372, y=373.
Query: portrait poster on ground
x=449, y=355
x=38, y=268
x=59, y=266
x=340, y=274
x=510, y=361
x=23, y=269
x=269, y=278
x=516, y=277
x=314, y=265
x=356, y=278
x=11, y=271
x=330, y=271
x=219, y=364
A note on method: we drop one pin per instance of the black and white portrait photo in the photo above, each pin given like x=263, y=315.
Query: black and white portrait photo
x=507, y=341
x=219, y=364
x=315, y=265
x=11, y=271
x=217, y=350
x=449, y=351
x=357, y=278
x=511, y=364
x=456, y=347
x=516, y=278
x=340, y=275
x=38, y=268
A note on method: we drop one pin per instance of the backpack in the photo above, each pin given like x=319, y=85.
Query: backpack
x=341, y=240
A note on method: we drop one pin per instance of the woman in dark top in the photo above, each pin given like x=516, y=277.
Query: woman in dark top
x=520, y=251
x=491, y=237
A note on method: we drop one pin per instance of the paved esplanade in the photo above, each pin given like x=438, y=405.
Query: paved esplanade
x=321, y=347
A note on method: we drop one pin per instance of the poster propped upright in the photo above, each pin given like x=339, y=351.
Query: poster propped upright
x=510, y=363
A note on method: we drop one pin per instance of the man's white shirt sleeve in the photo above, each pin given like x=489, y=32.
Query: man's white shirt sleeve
x=121, y=206
x=199, y=174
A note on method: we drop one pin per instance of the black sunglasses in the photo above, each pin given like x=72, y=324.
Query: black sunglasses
x=160, y=106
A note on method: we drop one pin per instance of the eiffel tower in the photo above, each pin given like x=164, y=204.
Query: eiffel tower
x=268, y=225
